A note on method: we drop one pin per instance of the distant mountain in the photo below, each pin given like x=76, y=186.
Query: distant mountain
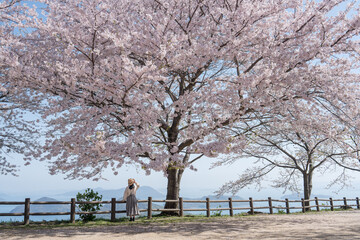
x=143, y=193
x=214, y=197
x=43, y=208
x=66, y=208
x=213, y=205
x=296, y=196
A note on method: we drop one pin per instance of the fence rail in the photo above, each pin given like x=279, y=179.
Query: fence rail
x=252, y=208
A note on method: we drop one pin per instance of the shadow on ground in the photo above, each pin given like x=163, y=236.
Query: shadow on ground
x=327, y=225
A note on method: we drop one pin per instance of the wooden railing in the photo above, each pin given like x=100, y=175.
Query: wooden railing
x=330, y=204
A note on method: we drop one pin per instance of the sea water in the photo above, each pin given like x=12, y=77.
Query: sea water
x=8, y=208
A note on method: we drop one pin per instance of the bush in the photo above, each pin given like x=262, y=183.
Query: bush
x=280, y=211
x=89, y=195
x=217, y=213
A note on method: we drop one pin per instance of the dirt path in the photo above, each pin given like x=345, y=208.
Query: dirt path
x=325, y=225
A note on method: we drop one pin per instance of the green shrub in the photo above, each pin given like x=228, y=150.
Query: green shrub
x=89, y=195
x=280, y=211
x=218, y=212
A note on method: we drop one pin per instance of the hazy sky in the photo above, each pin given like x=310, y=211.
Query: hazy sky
x=34, y=180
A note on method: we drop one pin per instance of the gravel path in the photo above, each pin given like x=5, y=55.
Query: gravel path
x=324, y=225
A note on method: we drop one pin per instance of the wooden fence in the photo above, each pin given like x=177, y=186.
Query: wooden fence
x=313, y=203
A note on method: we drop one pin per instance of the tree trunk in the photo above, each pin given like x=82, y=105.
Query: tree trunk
x=307, y=178
x=173, y=189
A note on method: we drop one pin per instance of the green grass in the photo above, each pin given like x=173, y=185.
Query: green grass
x=157, y=219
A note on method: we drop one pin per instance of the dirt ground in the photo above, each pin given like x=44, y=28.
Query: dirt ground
x=324, y=225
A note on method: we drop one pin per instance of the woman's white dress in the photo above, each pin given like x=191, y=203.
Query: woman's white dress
x=131, y=201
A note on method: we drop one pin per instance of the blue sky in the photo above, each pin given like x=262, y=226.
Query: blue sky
x=34, y=180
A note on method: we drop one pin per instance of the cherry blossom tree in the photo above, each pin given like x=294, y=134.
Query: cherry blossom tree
x=8, y=14
x=297, y=151
x=18, y=134
x=160, y=84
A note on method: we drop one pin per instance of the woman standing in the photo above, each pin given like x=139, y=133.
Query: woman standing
x=130, y=198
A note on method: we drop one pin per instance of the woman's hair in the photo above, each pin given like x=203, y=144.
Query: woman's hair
x=131, y=181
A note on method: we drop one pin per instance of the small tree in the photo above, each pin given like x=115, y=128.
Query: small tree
x=89, y=195
x=298, y=150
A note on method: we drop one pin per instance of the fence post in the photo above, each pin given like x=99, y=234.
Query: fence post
x=303, y=204
x=270, y=205
x=317, y=204
x=27, y=211
x=345, y=203
x=231, y=210
x=72, y=210
x=287, y=205
x=331, y=204
x=357, y=203
x=113, y=209
x=208, y=207
x=251, y=205
x=149, y=216
x=181, y=206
